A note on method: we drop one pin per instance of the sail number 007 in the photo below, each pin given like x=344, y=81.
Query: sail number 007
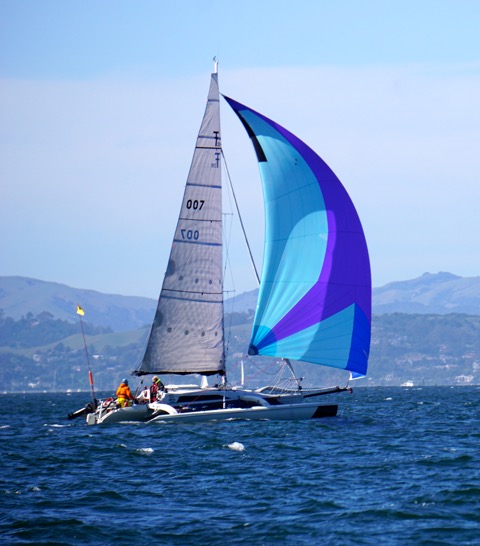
x=190, y=234
x=195, y=204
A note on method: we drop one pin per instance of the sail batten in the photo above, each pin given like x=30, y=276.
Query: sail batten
x=314, y=301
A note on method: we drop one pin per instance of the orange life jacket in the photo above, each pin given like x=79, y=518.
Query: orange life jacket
x=124, y=392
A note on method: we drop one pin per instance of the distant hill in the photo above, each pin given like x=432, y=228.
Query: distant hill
x=439, y=293
x=21, y=295
x=242, y=303
x=434, y=341
x=432, y=293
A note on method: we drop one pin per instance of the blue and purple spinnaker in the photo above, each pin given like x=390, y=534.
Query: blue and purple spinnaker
x=315, y=295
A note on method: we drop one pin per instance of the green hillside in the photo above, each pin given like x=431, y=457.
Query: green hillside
x=413, y=349
x=41, y=346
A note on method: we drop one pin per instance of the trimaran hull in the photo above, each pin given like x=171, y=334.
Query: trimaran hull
x=187, y=405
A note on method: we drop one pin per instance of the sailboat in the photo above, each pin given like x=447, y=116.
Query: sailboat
x=314, y=302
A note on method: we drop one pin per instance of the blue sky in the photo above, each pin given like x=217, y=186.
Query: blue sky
x=101, y=103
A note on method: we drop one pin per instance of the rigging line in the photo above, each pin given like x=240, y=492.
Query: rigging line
x=264, y=369
x=226, y=245
x=240, y=218
x=298, y=380
x=90, y=375
x=227, y=267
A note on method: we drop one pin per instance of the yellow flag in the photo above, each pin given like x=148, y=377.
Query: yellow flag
x=80, y=311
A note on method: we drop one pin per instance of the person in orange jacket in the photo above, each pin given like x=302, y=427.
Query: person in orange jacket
x=124, y=394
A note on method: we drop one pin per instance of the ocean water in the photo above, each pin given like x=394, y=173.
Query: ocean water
x=396, y=466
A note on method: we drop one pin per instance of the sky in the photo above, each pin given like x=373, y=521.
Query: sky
x=101, y=103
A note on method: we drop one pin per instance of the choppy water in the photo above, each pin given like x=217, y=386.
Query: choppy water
x=396, y=466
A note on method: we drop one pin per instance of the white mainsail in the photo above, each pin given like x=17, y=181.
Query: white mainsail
x=187, y=332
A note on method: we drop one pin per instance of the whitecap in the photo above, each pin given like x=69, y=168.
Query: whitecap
x=56, y=426
x=236, y=446
x=146, y=450
x=5, y=426
x=389, y=398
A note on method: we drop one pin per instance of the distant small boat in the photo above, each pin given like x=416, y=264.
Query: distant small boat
x=314, y=302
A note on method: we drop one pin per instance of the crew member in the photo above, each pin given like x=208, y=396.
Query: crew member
x=124, y=395
x=156, y=386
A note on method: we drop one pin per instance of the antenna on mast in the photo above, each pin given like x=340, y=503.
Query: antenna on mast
x=215, y=65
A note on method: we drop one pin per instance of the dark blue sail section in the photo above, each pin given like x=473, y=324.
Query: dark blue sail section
x=315, y=295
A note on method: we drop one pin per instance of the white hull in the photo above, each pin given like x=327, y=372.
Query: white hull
x=133, y=414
